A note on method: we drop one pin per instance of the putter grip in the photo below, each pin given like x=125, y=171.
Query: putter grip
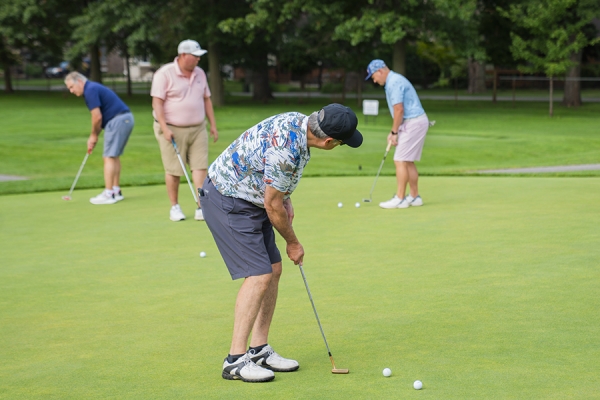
x=388, y=147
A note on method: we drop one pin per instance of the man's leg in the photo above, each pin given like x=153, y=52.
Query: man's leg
x=413, y=179
x=112, y=171
x=260, y=330
x=402, y=176
x=172, y=183
x=249, y=302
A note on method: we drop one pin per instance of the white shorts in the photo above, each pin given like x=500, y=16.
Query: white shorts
x=411, y=138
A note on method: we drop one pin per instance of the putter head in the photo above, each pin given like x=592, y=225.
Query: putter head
x=366, y=200
x=66, y=198
x=340, y=371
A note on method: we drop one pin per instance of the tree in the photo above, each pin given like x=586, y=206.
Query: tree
x=550, y=35
x=124, y=25
x=37, y=26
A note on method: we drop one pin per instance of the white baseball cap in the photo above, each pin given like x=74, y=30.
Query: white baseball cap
x=190, y=47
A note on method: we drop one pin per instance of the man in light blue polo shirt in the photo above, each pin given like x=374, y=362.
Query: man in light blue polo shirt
x=409, y=129
x=111, y=114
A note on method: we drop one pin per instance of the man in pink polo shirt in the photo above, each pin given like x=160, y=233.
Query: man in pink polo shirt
x=181, y=104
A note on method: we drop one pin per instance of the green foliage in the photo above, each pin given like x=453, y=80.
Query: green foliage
x=549, y=32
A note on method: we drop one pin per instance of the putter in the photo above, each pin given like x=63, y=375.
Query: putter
x=334, y=370
x=387, y=149
x=185, y=171
x=68, y=197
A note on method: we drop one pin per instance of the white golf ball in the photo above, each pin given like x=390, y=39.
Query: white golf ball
x=418, y=385
x=202, y=254
x=340, y=205
x=387, y=372
x=357, y=205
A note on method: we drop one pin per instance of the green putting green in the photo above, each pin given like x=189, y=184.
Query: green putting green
x=490, y=290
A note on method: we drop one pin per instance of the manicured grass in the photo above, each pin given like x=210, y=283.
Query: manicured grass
x=490, y=290
x=43, y=137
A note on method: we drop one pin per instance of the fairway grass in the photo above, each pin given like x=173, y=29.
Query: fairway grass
x=488, y=291
x=43, y=137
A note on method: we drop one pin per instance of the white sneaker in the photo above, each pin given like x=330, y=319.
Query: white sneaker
x=118, y=196
x=199, y=216
x=103, y=198
x=414, y=201
x=268, y=358
x=246, y=370
x=395, y=202
x=176, y=214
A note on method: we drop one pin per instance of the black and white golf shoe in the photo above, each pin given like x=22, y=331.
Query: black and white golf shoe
x=268, y=358
x=246, y=370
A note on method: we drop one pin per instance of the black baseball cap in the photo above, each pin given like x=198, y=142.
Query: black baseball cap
x=339, y=122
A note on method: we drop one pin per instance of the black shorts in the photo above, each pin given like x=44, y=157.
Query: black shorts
x=242, y=231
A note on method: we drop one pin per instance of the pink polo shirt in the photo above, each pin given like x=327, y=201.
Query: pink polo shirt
x=184, y=97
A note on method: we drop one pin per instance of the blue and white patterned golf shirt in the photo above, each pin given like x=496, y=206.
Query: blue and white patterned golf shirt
x=398, y=89
x=274, y=152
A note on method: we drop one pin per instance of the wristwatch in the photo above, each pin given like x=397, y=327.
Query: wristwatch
x=393, y=133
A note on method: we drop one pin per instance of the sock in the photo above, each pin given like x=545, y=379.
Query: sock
x=258, y=349
x=108, y=192
x=116, y=189
x=233, y=358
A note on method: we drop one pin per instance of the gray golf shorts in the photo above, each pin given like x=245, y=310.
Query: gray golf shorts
x=116, y=134
x=242, y=231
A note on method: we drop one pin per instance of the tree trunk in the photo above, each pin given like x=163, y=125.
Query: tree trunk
x=551, y=96
x=572, y=96
x=400, y=56
x=8, y=88
x=95, y=72
x=476, y=76
x=260, y=78
x=128, y=68
x=215, y=80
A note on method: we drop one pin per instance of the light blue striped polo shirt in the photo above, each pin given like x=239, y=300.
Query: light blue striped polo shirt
x=398, y=89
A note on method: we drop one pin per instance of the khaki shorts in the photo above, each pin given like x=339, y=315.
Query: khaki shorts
x=192, y=142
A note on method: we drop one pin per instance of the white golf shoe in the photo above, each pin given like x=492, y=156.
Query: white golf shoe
x=246, y=370
x=394, y=202
x=414, y=201
x=118, y=196
x=268, y=358
x=176, y=214
x=199, y=216
x=104, y=198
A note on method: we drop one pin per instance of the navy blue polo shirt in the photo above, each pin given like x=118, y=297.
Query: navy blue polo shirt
x=97, y=95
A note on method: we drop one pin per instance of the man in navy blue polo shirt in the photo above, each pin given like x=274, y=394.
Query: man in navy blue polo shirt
x=111, y=114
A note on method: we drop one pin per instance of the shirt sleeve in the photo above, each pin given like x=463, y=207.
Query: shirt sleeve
x=396, y=93
x=159, y=85
x=206, y=88
x=279, y=168
x=92, y=98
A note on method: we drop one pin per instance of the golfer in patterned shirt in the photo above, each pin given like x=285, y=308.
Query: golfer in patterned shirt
x=246, y=194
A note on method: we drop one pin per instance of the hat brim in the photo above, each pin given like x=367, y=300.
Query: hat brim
x=355, y=140
x=368, y=76
x=199, y=53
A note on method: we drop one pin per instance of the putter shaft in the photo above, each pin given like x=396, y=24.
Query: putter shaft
x=185, y=171
x=387, y=149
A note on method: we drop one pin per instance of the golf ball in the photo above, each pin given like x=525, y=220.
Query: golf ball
x=418, y=385
x=387, y=372
x=202, y=254
x=357, y=205
x=340, y=205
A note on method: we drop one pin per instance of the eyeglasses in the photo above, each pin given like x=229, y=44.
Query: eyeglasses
x=338, y=142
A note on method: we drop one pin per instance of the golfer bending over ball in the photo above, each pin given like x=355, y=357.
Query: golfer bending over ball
x=111, y=114
x=246, y=194
x=408, y=132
